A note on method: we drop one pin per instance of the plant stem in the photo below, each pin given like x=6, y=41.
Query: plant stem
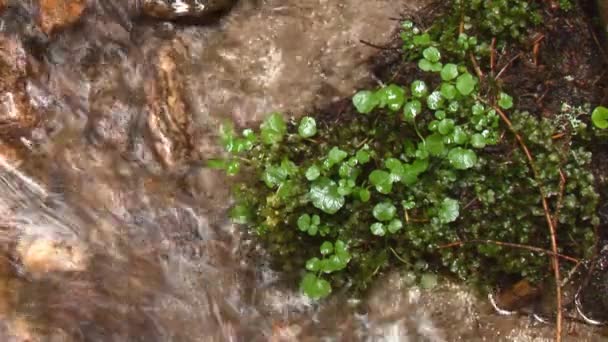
x=549, y=219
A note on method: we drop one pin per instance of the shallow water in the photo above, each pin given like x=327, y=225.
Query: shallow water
x=113, y=229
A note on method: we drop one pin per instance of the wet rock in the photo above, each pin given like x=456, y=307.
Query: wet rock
x=169, y=117
x=3, y=4
x=16, y=116
x=59, y=14
x=174, y=9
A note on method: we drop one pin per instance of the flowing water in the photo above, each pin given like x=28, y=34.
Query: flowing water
x=112, y=228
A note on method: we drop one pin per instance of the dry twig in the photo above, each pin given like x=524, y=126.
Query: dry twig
x=549, y=219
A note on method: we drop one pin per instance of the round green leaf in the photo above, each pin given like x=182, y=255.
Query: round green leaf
x=459, y=136
x=273, y=129
x=365, y=101
x=382, y=181
x=362, y=156
x=448, y=91
x=304, y=222
x=432, y=54
x=394, y=96
x=364, y=195
x=314, y=287
x=395, y=225
x=313, y=264
x=600, y=117
x=445, y=126
x=425, y=65
x=308, y=127
x=419, y=89
x=465, y=84
x=411, y=110
x=335, y=156
x=505, y=101
x=448, y=210
x=461, y=158
x=435, y=100
x=434, y=144
x=378, y=229
x=325, y=196
x=436, y=67
x=313, y=173
x=326, y=248
x=478, y=141
x=449, y=72
x=384, y=211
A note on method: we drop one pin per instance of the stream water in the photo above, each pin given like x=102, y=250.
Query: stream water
x=112, y=229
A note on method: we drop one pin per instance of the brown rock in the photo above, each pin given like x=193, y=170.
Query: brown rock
x=3, y=4
x=58, y=14
x=169, y=116
x=16, y=114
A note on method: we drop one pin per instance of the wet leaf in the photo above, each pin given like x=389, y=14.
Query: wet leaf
x=394, y=226
x=600, y=117
x=377, y=229
x=449, y=72
x=313, y=264
x=432, y=54
x=273, y=129
x=362, y=156
x=304, y=222
x=448, y=91
x=419, y=89
x=326, y=248
x=384, y=211
x=461, y=158
x=465, y=84
x=505, y=101
x=434, y=145
x=448, y=210
x=308, y=127
x=335, y=156
x=314, y=287
x=435, y=100
x=313, y=173
x=478, y=141
x=365, y=101
x=393, y=97
x=411, y=110
x=324, y=195
x=364, y=195
x=381, y=180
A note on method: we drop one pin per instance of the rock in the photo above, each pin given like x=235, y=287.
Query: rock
x=172, y=9
x=3, y=4
x=169, y=116
x=16, y=115
x=59, y=14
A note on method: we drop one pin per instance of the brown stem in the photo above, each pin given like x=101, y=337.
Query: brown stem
x=549, y=219
x=509, y=244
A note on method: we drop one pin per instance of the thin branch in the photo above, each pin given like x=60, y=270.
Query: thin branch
x=512, y=245
x=507, y=65
x=379, y=47
x=549, y=219
x=476, y=66
x=493, y=56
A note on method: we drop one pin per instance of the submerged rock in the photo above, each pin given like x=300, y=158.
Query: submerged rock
x=59, y=14
x=175, y=9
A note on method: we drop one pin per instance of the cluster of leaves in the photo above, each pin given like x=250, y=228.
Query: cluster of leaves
x=458, y=31
x=413, y=170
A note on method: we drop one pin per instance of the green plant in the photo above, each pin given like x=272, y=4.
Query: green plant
x=414, y=171
x=600, y=117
